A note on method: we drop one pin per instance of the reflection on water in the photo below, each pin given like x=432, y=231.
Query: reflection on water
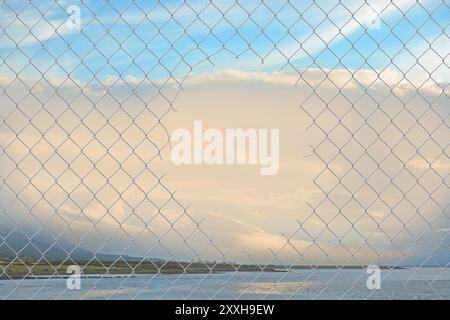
x=281, y=288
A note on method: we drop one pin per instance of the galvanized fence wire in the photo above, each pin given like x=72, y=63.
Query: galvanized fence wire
x=58, y=103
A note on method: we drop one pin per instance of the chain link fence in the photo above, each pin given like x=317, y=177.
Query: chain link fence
x=86, y=91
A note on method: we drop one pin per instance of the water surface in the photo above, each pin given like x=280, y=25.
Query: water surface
x=410, y=283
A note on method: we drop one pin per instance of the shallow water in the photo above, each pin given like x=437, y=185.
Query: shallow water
x=411, y=283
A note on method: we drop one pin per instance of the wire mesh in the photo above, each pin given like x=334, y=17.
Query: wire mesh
x=84, y=102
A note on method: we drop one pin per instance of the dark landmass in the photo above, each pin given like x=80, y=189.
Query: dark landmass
x=29, y=268
x=20, y=269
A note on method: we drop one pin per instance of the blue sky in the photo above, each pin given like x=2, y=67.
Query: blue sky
x=118, y=40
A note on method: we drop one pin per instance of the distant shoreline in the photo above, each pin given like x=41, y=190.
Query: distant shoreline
x=31, y=269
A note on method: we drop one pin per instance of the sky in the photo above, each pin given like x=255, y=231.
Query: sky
x=256, y=69
x=179, y=36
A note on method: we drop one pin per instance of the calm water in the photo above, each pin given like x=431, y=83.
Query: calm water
x=424, y=283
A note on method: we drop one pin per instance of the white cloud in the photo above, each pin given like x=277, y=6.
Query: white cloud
x=240, y=208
